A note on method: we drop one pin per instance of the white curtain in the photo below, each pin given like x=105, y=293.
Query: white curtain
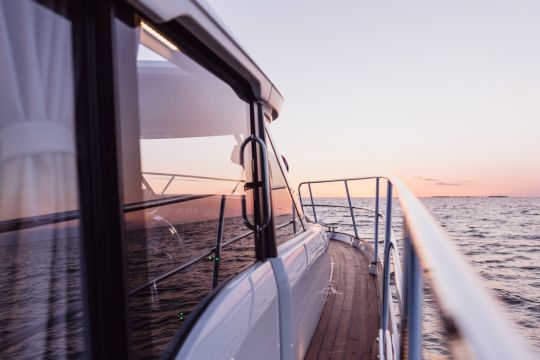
x=37, y=149
x=39, y=271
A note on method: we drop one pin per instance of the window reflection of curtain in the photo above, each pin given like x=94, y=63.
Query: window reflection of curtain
x=37, y=152
x=37, y=177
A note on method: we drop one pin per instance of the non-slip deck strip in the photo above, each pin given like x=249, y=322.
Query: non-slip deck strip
x=349, y=324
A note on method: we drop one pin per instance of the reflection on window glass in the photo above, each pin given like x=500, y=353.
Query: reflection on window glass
x=286, y=218
x=182, y=179
x=40, y=272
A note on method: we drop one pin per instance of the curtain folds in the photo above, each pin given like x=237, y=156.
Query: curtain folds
x=37, y=149
x=40, y=267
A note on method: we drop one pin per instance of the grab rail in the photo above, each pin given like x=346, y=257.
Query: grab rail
x=183, y=176
x=468, y=311
x=213, y=250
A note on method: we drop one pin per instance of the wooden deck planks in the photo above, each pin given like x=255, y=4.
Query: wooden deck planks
x=332, y=328
x=350, y=320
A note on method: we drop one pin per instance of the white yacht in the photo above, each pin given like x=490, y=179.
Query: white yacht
x=145, y=211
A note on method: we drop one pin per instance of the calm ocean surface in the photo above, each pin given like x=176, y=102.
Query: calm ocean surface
x=500, y=237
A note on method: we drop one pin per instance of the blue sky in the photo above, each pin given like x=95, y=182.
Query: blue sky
x=444, y=94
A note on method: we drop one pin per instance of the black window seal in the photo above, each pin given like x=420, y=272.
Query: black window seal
x=268, y=234
x=99, y=180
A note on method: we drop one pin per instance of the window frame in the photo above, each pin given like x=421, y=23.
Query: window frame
x=101, y=213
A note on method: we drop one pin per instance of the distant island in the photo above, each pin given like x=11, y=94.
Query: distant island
x=467, y=196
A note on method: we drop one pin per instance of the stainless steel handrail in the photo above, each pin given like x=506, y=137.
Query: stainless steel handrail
x=265, y=185
x=201, y=256
x=381, y=216
x=191, y=176
x=216, y=250
x=470, y=314
x=173, y=176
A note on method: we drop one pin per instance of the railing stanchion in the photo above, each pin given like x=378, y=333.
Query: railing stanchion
x=147, y=185
x=385, y=299
x=351, y=210
x=294, y=219
x=167, y=186
x=388, y=218
x=414, y=289
x=301, y=200
x=373, y=266
x=312, y=203
x=386, y=265
x=219, y=238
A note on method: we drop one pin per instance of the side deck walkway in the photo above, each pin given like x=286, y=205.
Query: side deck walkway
x=349, y=323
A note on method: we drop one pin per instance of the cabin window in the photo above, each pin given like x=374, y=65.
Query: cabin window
x=181, y=131
x=40, y=270
x=286, y=220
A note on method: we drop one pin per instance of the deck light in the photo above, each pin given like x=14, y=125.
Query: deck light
x=158, y=36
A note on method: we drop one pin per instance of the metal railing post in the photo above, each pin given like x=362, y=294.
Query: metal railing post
x=312, y=204
x=168, y=183
x=147, y=185
x=388, y=218
x=294, y=218
x=351, y=210
x=414, y=289
x=376, y=237
x=301, y=200
x=375, y=260
x=385, y=299
x=386, y=266
x=219, y=238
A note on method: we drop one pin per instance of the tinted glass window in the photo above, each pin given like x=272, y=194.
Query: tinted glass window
x=286, y=219
x=182, y=128
x=40, y=270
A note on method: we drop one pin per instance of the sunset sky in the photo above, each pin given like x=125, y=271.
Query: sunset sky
x=443, y=94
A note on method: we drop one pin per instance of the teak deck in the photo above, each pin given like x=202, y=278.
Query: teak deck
x=349, y=323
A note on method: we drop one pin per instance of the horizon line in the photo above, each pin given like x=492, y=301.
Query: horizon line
x=441, y=196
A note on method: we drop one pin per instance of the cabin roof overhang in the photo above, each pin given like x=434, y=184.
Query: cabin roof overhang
x=198, y=18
